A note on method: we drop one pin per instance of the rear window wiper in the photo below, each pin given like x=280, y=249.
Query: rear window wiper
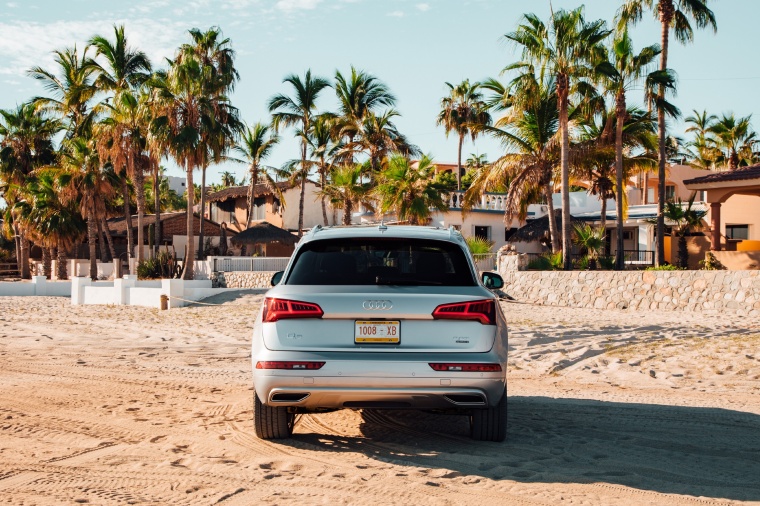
x=385, y=280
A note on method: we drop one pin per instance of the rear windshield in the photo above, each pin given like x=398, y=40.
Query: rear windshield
x=381, y=261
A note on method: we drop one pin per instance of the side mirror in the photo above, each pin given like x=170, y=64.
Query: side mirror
x=492, y=281
x=276, y=278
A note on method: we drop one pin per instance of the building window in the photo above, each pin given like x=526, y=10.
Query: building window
x=509, y=232
x=483, y=232
x=737, y=232
x=670, y=192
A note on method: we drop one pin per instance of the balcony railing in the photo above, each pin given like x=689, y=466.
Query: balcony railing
x=487, y=202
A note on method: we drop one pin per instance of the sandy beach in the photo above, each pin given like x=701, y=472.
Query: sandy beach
x=128, y=405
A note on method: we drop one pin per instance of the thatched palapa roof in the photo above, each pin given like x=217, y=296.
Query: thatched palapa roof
x=538, y=229
x=264, y=232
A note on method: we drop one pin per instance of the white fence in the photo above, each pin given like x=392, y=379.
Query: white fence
x=237, y=264
x=38, y=286
x=485, y=262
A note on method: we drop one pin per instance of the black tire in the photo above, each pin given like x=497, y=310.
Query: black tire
x=272, y=422
x=490, y=424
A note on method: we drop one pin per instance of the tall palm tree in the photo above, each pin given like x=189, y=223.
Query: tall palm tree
x=675, y=15
x=324, y=150
x=26, y=143
x=735, y=138
x=530, y=135
x=50, y=222
x=217, y=60
x=120, y=70
x=460, y=110
x=379, y=137
x=254, y=146
x=122, y=141
x=346, y=190
x=298, y=111
x=185, y=107
x=82, y=181
x=408, y=189
x=623, y=71
x=564, y=49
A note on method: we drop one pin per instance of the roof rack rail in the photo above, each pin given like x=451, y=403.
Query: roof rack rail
x=455, y=234
x=315, y=229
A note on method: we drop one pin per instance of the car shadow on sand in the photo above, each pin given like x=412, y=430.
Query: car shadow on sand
x=666, y=449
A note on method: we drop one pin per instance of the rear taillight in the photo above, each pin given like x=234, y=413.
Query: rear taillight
x=309, y=366
x=448, y=367
x=280, y=309
x=483, y=311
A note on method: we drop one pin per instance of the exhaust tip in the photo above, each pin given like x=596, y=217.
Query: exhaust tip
x=289, y=397
x=466, y=399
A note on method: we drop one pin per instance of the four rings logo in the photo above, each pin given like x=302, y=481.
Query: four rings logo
x=377, y=305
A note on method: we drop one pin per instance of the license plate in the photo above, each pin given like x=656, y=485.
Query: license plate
x=388, y=332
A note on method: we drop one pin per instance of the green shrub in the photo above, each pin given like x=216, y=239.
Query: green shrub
x=667, y=267
x=710, y=263
x=478, y=245
x=163, y=265
x=607, y=263
x=547, y=262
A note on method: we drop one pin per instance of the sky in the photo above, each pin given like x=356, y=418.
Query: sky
x=414, y=46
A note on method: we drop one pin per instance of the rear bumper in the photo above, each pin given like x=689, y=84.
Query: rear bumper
x=387, y=381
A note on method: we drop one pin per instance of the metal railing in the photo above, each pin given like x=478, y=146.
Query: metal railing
x=8, y=268
x=638, y=259
x=230, y=264
x=485, y=261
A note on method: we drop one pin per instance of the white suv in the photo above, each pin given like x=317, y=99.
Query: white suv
x=381, y=318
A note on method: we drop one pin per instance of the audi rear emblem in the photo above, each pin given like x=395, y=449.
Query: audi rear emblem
x=377, y=305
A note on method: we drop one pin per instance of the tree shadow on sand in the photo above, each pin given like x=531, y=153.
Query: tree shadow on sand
x=666, y=449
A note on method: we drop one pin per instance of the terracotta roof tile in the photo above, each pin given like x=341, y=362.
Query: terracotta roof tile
x=740, y=174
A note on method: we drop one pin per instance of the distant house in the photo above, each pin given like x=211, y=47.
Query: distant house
x=230, y=206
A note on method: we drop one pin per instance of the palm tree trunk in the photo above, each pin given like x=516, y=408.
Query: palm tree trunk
x=157, y=204
x=26, y=246
x=553, y=232
x=620, y=116
x=459, y=161
x=91, y=239
x=303, y=189
x=127, y=218
x=567, y=251
x=47, y=260
x=603, y=216
x=62, y=271
x=102, y=243
x=348, y=208
x=666, y=16
x=251, y=194
x=645, y=199
x=17, y=240
x=187, y=271
x=139, y=181
x=107, y=233
x=323, y=182
x=201, y=246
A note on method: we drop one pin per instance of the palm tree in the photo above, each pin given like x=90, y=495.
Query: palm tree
x=673, y=15
x=624, y=71
x=228, y=179
x=460, y=110
x=26, y=144
x=565, y=50
x=323, y=150
x=359, y=95
x=254, y=146
x=50, y=222
x=82, y=181
x=686, y=219
x=529, y=134
x=735, y=138
x=591, y=240
x=72, y=90
x=379, y=137
x=346, y=190
x=217, y=60
x=298, y=111
x=408, y=189
x=122, y=141
x=185, y=107
x=705, y=151
x=120, y=71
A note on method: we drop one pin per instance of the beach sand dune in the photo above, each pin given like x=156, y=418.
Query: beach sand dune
x=126, y=405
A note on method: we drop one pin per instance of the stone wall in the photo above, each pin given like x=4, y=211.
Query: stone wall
x=242, y=279
x=736, y=292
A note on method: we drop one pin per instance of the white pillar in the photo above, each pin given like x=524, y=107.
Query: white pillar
x=77, y=289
